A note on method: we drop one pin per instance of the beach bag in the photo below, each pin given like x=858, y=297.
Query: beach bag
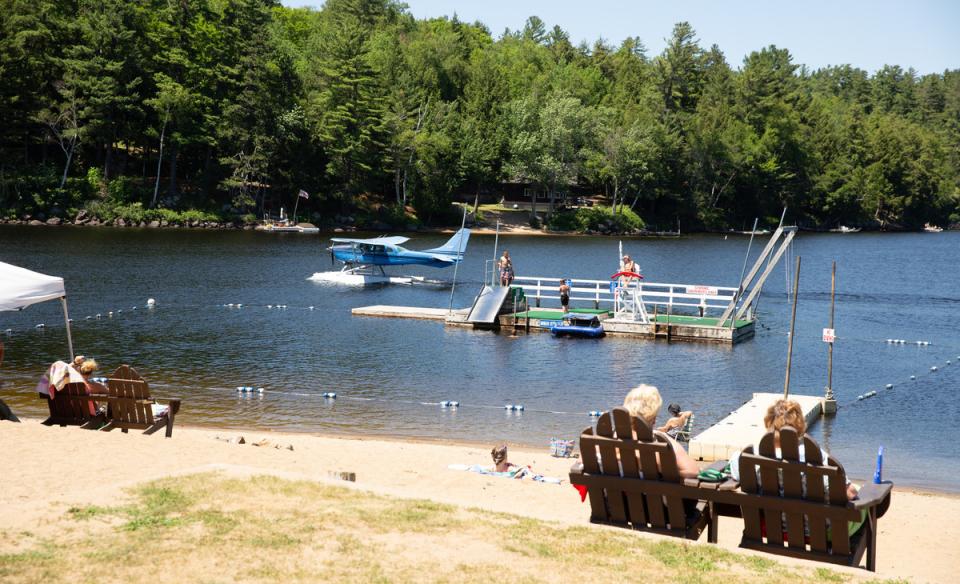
x=561, y=448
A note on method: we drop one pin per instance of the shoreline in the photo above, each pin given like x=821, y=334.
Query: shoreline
x=104, y=467
x=485, y=230
x=433, y=441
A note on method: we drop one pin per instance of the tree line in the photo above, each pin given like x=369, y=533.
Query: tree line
x=232, y=106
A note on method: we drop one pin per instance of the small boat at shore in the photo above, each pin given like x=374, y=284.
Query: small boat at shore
x=579, y=325
x=932, y=228
x=287, y=227
x=845, y=229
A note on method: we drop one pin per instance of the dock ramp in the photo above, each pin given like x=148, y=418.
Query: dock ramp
x=487, y=305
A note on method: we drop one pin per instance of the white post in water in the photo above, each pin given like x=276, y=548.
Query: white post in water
x=829, y=401
x=461, y=253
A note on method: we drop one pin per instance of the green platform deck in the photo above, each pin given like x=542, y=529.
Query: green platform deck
x=555, y=314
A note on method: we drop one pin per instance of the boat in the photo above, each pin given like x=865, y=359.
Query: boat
x=579, y=325
x=753, y=232
x=932, y=228
x=284, y=226
x=845, y=229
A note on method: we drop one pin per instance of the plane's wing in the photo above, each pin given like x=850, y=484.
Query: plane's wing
x=392, y=240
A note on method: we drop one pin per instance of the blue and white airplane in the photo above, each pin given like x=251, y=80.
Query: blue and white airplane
x=360, y=256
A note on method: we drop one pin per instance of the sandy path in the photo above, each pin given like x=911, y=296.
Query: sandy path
x=48, y=470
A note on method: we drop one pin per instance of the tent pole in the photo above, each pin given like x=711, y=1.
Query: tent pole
x=66, y=319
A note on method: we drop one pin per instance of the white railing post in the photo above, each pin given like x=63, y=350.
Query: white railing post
x=538, y=293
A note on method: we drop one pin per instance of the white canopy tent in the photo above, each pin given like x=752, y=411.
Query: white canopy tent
x=19, y=288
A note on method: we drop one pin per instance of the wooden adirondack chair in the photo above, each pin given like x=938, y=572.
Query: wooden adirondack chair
x=800, y=509
x=129, y=405
x=626, y=485
x=72, y=406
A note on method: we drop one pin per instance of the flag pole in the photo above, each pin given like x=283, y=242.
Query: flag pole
x=295, y=203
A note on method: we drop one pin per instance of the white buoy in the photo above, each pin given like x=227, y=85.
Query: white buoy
x=311, y=308
x=934, y=368
x=110, y=314
x=239, y=306
x=119, y=311
x=151, y=302
x=913, y=378
x=40, y=326
x=87, y=317
x=269, y=306
x=71, y=320
x=889, y=386
x=98, y=316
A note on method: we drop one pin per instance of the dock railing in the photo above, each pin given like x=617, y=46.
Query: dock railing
x=617, y=295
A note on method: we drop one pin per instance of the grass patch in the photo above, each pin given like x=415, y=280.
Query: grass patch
x=210, y=528
x=825, y=575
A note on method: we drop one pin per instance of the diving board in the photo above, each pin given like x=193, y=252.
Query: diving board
x=744, y=426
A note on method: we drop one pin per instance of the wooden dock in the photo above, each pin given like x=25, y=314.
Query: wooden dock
x=744, y=426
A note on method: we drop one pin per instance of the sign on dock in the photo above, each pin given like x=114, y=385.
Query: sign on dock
x=744, y=426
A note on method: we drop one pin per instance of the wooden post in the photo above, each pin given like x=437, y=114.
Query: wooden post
x=829, y=401
x=793, y=322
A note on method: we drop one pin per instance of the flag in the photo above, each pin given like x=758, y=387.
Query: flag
x=303, y=194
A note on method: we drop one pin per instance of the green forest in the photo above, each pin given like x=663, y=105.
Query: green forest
x=191, y=110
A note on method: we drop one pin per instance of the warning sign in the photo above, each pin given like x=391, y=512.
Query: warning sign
x=829, y=335
x=702, y=290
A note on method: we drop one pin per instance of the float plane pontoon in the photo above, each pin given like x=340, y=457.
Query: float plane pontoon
x=364, y=259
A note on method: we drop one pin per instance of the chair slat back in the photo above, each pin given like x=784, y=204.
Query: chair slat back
x=628, y=447
x=795, y=473
x=129, y=399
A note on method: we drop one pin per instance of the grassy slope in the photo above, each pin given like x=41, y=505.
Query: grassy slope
x=208, y=528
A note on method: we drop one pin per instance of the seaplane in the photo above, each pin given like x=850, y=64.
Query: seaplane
x=364, y=259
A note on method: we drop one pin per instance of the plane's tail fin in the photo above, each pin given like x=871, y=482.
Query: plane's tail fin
x=455, y=246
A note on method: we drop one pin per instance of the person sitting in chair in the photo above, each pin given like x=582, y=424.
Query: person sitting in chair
x=644, y=401
x=786, y=413
x=677, y=421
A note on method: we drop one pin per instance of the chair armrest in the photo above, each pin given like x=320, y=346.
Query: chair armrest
x=872, y=495
x=576, y=469
x=174, y=404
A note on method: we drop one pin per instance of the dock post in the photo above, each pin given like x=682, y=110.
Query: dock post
x=829, y=405
x=793, y=321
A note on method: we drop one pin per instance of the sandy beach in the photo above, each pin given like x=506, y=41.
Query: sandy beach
x=50, y=470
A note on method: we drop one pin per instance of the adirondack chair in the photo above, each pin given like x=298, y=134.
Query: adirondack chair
x=72, y=406
x=130, y=407
x=800, y=509
x=683, y=434
x=627, y=487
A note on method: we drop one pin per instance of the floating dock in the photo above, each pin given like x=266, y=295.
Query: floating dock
x=626, y=304
x=416, y=312
x=673, y=328
x=744, y=426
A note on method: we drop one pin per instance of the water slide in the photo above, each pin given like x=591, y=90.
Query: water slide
x=487, y=305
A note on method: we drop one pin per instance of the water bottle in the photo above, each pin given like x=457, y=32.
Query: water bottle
x=878, y=475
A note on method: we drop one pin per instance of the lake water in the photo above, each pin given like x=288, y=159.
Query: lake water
x=389, y=373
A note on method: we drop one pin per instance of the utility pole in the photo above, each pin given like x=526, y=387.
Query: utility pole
x=829, y=401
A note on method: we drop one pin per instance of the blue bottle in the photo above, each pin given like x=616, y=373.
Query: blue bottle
x=878, y=475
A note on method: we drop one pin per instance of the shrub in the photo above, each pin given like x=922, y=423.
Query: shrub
x=597, y=218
